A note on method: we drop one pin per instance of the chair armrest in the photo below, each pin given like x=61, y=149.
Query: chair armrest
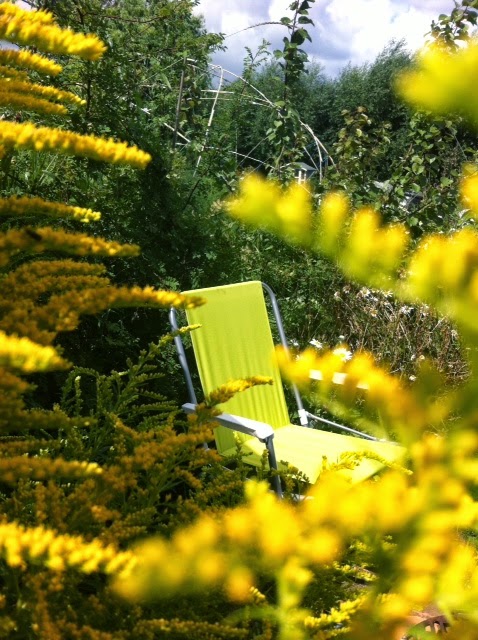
x=259, y=430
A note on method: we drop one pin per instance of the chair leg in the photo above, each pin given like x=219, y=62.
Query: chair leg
x=435, y=624
x=276, y=483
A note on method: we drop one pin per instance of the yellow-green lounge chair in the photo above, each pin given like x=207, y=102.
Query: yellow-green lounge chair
x=235, y=341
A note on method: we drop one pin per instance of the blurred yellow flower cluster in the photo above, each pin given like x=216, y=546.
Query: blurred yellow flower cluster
x=444, y=272
x=444, y=81
x=33, y=17
x=469, y=188
x=360, y=380
x=263, y=203
x=271, y=537
x=350, y=239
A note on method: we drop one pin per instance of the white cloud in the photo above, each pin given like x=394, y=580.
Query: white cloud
x=345, y=31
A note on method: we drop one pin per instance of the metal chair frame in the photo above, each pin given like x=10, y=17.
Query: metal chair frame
x=260, y=430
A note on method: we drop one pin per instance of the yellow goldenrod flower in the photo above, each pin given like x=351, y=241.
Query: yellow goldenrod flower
x=23, y=205
x=227, y=391
x=444, y=81
x=339, y=615
x=36, y=28
x=31, y=280
x=14, y=74
x=24, y=355
x=28, y=136
x=27, y=60
x=19, y=545
x=33, y=468
x=50, y=93
x=40, y=17
x=30, y=103
x=70, y=301
x=43, y=239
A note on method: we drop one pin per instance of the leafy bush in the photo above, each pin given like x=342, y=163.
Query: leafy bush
x=112, y=461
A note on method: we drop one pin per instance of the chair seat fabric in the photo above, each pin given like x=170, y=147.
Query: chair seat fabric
x=305, y=449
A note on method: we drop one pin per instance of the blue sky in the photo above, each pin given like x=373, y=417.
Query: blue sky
x=345, y=31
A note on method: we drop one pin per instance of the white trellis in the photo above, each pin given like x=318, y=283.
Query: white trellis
x=258, y=98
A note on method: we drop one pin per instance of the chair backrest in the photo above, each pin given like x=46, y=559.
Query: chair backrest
x=235, y=341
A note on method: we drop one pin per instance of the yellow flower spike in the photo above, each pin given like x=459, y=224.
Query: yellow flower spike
x=36, y=28
x=30, y=103
x=424, y=266
x=430, y=449
x=50, y=93
x=24, y=205
x=393, y=489
x=339, y=615
x=14, y=74
x=203, y=534
x=278, y=543
x=27, y=60
x=334, y=211
x=328, y=491
x=394, y=607
x=256, y=490
x=40, y=17
x=24, y=355
x=354, y=511
x=227, y=391
x=457, y=575
x=427, y=87
x=292, y=579
x=298, y=369
x=467, y=513
x=26, y=135
x=421, y=561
